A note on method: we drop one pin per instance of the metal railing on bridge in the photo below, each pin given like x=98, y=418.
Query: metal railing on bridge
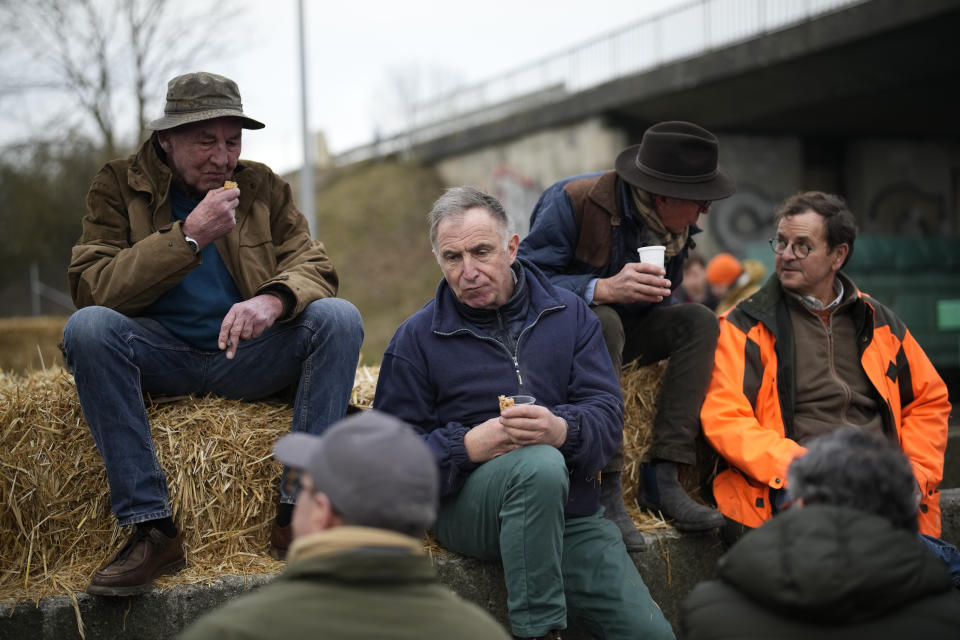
x=687, y=30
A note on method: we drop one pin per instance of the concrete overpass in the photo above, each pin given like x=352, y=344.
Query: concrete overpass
x=879, y=67
x=859, y=100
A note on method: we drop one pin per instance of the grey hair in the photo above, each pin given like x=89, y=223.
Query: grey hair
x=852, y=468
x=456, y=201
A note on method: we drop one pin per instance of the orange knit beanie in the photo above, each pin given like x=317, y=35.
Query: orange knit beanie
x=723, y=268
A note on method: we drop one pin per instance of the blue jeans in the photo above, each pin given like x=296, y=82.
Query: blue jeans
x=116, y=359
x=511, y=509
x=947, y=553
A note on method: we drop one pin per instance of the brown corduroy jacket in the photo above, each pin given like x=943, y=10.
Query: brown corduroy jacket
x=130, y=251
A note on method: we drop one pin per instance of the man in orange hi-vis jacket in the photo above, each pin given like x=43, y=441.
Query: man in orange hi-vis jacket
x=809, y=353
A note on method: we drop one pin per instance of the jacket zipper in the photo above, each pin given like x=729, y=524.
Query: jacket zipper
x=514, y=357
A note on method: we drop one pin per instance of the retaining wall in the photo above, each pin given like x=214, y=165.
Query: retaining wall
x=671, y=565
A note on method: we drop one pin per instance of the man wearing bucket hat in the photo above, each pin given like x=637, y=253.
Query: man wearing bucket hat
x=357, y=567
x=185, y=284
x=584, y=234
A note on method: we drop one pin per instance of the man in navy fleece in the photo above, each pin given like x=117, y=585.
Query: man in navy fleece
x=521, y=486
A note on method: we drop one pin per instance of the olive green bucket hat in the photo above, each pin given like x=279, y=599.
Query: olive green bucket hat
x=194, y=97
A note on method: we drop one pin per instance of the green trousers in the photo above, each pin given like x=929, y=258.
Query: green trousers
x=511, y=509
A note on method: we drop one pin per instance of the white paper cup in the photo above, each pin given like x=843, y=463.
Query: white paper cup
x=652, y=254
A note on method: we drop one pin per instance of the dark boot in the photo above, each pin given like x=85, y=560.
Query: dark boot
x=148, y=553
x=661, y=491
x=611, y=499
x=280, y=539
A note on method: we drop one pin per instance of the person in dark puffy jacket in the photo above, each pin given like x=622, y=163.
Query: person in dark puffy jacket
x=843, y=562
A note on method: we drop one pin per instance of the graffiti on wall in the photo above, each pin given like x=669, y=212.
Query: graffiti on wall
x=518, y=194
x=743, y=219
x=904, y=209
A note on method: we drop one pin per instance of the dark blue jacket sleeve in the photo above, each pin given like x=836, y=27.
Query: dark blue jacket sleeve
x=404, y=390
x=553, y=238
x=594, y=408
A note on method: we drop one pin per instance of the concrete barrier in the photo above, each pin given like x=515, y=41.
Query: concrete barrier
x=671, y=565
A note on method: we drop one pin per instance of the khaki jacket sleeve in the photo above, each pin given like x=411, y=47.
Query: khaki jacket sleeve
x=750, y=439
x=113, y=267
x=303, y=268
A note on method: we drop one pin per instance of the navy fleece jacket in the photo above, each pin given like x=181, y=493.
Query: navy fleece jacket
x=442, y=374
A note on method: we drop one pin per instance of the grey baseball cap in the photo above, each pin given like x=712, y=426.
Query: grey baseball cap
x=198, y=96
x=374, y=468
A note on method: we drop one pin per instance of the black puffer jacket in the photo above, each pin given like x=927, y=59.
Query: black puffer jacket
x=827, y=573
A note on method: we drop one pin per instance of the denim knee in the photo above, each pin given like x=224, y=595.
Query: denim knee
x=88, y=329
x=334, y=315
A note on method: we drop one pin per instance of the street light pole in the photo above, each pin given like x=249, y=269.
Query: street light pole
x=306, y=171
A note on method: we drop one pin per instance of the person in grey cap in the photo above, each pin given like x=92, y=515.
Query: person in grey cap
x=196, y=273
x=584, y=234
x=357, y=565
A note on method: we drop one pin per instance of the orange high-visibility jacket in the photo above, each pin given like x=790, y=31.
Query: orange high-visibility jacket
x=747, y=415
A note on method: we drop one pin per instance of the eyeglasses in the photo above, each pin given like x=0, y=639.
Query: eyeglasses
x=703, y=205
x=800, y=249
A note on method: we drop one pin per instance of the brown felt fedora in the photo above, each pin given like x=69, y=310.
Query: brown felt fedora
x=678, y=160
x=198, y=96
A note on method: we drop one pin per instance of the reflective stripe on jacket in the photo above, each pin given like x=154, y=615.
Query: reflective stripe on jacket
x=747, y=415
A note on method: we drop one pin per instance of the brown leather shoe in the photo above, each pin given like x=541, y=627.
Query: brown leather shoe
x=280, y=539
x=146, y=555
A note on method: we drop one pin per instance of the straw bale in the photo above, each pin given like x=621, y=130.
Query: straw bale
x=28, y=343
x=56, y=525
x=641, y=392
x=641, y=389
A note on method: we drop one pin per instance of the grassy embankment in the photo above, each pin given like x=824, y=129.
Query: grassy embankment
x=372, y=219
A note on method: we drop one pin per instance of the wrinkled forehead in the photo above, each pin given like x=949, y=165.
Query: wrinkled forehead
x=468, y=228
x=807, y=224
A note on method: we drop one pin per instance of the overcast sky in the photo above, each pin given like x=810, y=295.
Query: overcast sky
x=355, y=50
x=355, y=47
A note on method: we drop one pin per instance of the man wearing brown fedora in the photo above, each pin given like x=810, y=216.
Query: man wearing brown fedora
x=196, y=273
x=584, y=234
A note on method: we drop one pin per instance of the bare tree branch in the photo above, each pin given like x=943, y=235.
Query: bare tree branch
x=111, y=57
